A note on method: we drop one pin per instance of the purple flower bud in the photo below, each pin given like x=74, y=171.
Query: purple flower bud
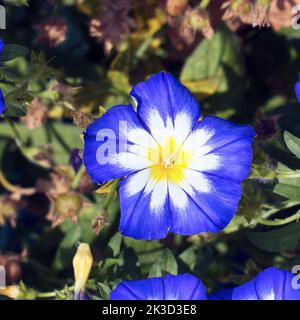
x=81, y=296
x=75, y=159
x=2, y=101
x=297, y=88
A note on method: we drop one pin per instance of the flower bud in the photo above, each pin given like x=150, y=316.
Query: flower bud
x=99, y=223
x=266, y=127
x=12, y=292
x=68, y=205
x=297, y=88
x=82, y=264
x=75, y=159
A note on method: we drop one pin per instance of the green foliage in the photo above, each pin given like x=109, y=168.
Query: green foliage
x=293, y=143
x=211, y=59
x=13, y=51
x=246, y=76
x=17, y=2
x=278, y=240
x=166, y=264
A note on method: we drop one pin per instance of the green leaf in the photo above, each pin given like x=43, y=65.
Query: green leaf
x=104, y=291
x=290, y=33
x=288, y=183
x=86, y=216
x=293, y=143
x=289, y=189
x=16, y=101
x=278, y=240
x=17, y=2
x=166, y=264
x=67, y=249
x=13, y=51
x=16, y=111
x=109, y=262
x=115, y=244
x=210, y=59
x=189, y=258
x=148, y=252
x=41, y=137
x=71, y=238
x=155, y=271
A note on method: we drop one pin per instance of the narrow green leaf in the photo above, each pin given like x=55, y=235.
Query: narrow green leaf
x=115, y=243
x=293, y=143
x=109, y=262
x=104, y=291
x=289, y=191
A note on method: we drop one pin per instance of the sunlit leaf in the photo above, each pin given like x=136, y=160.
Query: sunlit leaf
x=293, y=143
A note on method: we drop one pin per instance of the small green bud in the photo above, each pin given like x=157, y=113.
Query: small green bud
x=68, y=205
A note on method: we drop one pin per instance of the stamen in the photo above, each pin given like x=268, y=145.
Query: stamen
x=169, y=161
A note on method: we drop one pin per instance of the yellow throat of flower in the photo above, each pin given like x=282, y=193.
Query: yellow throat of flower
x=170, y=161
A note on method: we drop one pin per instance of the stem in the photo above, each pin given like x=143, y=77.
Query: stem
x=14, y=189
x=142, y=49
x=59, y=138
x=14, y=130
x=6, y=184
x=77, y=178
x=46, y=294
x=280, y=222
x=110, y=195
x=51, y=294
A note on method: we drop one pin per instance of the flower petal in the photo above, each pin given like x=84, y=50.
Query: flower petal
x=163, y=102
x=144, y=207
x=271, y=284
x=297, y=89
x=1, y=46
x=221, y=147
x=208, y=206
x=115, y=145
x=181, y=287
x=2, y=102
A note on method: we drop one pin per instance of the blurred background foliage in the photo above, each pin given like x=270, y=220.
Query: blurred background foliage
x=66, y=62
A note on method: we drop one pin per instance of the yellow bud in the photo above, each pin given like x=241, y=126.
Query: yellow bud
x=82, y=264
x=12, y=292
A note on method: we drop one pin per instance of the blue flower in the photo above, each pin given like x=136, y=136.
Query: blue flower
x=182, y=174
x=297, y=88
x=181, y=287
x=271, y=284
x=2, y=102
x=1, y=46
